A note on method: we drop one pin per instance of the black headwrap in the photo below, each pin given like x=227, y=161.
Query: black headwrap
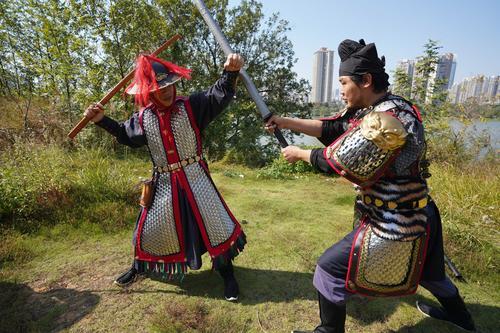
x=357, y=58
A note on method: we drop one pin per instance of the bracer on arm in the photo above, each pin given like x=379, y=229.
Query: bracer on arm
x=363, y=153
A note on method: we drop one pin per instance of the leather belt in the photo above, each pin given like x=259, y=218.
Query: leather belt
x=177, y=165
x=370, y=200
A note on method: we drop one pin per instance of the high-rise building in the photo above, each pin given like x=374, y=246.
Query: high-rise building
x=445, y=69
x=454, y=93
x=444, y=72
x=492, y=93
x=407, y=66
x=322, y=80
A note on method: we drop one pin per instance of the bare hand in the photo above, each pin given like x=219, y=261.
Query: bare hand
x=274, y=122
x=95, y=112
x=234, y=62
x=292, y=153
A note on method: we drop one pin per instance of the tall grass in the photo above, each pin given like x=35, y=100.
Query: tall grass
x=42, y=185
x=469, y=197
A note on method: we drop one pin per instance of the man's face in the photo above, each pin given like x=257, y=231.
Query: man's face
x=351, y=93
x=164, y=96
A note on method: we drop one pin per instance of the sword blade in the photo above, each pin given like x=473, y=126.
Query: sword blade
x=252, y=90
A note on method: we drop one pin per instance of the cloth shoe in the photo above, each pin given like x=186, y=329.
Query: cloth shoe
x=127, y=278
x=453, y=310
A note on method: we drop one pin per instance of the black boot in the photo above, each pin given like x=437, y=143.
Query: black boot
x=332, y=317
x=453, y=310
x=127, y=278
x=231, y=288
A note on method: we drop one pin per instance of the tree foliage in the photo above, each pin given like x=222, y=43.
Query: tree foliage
x=423, y=88
x=402, y=84
x=424, y=68
x=57, y=56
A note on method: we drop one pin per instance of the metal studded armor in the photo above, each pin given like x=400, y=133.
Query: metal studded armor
x=381, y=153
x=174, y=142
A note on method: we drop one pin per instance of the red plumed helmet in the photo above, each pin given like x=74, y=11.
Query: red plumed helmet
x=151, y=74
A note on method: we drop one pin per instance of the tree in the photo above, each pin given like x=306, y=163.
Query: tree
x=424, y=68
x=269, y=60
x=402, y=84
x=71, y=52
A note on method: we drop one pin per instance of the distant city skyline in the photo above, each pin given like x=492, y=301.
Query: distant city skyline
x=484, y=88
x=444, y=73
x=470, y=30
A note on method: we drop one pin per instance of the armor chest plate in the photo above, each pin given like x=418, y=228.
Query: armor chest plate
x=170, y=133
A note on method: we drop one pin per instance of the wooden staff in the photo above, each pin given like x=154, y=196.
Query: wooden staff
x=84, y=121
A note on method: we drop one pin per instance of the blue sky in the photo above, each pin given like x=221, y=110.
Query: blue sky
x=470, y=29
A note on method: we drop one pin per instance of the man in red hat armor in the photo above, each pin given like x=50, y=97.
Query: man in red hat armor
x=185, y=215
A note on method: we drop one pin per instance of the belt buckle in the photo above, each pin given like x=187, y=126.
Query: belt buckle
x=174, y=166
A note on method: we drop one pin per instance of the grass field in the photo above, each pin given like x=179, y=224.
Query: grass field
x=59, y=276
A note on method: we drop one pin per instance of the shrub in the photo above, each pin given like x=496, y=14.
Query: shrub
x=279, y=168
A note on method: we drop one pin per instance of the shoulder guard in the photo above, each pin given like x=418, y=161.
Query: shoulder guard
x=363, y=153
x=400, y=105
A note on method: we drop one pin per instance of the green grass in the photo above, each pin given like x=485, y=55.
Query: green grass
x=57, y=275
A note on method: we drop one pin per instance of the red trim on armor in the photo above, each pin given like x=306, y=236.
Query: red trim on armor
x=222, y=247
x=424, y=253
x=417, y=112
x=338, y=168
x=189, y=111
x=144, y=213
x=173, y=175
x=167, y=138
x=185, y=183
x=330, y=163
x=360, y=228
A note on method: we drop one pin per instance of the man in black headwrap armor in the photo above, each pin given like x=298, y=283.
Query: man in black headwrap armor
x=377, y=142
